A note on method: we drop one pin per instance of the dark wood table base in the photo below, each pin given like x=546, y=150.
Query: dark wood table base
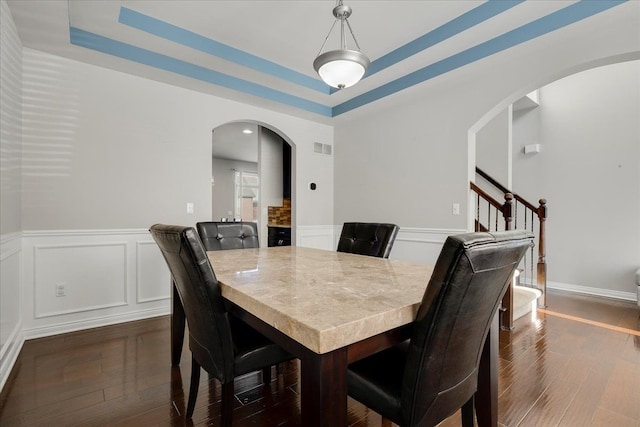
x=323, y=376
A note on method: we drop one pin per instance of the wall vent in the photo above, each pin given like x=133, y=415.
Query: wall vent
x=322, y=148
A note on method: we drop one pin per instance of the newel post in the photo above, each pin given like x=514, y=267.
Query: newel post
x=507, y=211
x=542, y=254
x=506, y=310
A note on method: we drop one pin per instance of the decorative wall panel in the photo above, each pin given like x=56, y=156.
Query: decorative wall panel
x=153, y=277
x=74, y=278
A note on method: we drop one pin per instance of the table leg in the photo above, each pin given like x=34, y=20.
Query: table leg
x=177, y=325
x=324, y=389
x=487, y=394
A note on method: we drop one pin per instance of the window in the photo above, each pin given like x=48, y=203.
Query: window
x=247, y=190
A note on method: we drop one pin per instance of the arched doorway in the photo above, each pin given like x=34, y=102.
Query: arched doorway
x=585, y=162
x=252, y=169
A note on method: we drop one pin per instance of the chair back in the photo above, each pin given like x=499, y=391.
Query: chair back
x=217, y=236
x=210, y=338
x=368, y=238
x=470, y=277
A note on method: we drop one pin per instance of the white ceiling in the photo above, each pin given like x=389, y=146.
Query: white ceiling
x=181, y=46
x=230, y=142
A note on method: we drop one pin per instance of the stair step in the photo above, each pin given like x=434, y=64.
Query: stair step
x=524, y=300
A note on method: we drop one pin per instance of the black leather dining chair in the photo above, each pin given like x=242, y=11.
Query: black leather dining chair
x=218, y=236
x=367, y=238
x=215, y=236
x=426, y=379
x=222, y=345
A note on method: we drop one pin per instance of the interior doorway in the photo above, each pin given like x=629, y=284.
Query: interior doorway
x=251, y=177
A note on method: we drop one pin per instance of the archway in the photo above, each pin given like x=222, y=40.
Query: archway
x=253, y=176
x=586, y=166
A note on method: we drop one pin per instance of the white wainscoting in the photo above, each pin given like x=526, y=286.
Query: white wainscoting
x=151, y=273
x=114, y=276
x=317, y=236
x=109, y=276
x=421, y=245
x=11, y=336
x=100, y=282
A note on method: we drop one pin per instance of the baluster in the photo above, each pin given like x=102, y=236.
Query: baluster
x=534, y=280
x=478, y=212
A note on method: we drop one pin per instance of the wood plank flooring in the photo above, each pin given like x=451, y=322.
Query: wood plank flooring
x=575, y=364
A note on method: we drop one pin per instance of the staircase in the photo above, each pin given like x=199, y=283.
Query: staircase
x=515, y=213
x=525, y=299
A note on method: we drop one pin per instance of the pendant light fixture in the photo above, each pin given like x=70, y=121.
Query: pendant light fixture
x=343, y=67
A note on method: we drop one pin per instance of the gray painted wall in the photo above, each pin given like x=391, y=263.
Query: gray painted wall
x=11, y=135
x=11, y=316
x=493, y=148
x=270, y=164
x=133, y=151
x=406, y=159
x=589, y=171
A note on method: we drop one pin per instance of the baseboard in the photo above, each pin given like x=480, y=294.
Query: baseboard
x=10, y=354
x=586, y=290
x=95, y=322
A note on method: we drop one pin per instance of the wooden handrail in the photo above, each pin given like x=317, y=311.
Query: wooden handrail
x=504, y=189
x=486, y=196
x=508, y=209
x=491, y=180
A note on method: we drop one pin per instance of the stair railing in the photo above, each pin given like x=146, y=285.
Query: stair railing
x=515, y=212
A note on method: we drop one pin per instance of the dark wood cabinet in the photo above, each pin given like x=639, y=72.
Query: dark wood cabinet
x=279, y=236
x=286, y=170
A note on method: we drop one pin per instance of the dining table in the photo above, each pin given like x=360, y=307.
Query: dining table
x=329, y=309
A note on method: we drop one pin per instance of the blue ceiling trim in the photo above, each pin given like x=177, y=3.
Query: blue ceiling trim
x=195, y=41
x=463, y=22
x=126, y=51
x=539, y=27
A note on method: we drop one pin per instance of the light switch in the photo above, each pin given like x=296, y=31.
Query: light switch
x=455, y=209
x=189, y=208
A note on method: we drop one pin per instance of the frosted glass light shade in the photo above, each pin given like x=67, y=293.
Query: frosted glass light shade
x=341, y=68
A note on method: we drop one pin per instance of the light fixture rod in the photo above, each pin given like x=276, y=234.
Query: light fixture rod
x=343, y=39
x=327, y=38
x=343, y=67
x=352, y=35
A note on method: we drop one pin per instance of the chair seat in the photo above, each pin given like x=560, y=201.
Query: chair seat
x=376, y=381
x=253, y=349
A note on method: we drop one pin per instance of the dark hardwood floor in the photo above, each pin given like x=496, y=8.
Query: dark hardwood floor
x=577, y=363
